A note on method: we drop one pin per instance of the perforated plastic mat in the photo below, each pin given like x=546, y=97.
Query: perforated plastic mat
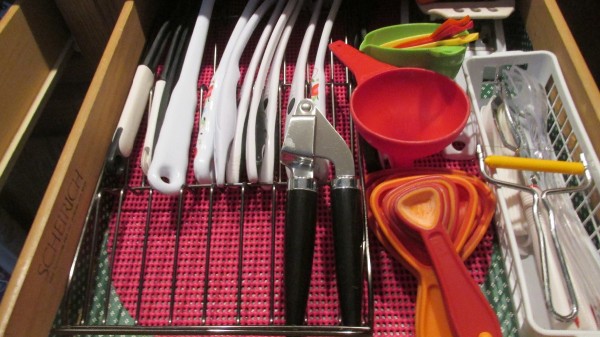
x=213, y=256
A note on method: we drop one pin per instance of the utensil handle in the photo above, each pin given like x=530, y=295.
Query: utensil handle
x=457, y=41
x=362, y=66
x=300, y=224
x=129, y=122
x=430, y=315
x=531, y=164
x=348, y=238
x=560, y=298
x=469, y=312
x=167, y=172
x=157, y=96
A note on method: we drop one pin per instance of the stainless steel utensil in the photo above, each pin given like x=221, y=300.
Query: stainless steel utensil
x=310, y=136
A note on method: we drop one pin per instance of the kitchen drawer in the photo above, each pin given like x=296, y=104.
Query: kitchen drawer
x=40, y=278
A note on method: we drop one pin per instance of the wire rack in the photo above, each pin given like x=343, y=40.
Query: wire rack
x=209, y=260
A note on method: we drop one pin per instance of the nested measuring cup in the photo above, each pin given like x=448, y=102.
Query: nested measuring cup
x=474, y=204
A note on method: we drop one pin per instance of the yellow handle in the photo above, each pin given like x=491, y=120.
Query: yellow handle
x=455, y=41
x=530, y=164
x=393, y=43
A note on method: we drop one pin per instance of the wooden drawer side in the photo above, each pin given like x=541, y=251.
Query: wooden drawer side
x=33, y=37
x=43, y=267
x=548, y=30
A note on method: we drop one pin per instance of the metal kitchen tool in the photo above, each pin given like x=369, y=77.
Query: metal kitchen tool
x=540, y=195
x=310, y=136
x=519, y=111
x=522, y=215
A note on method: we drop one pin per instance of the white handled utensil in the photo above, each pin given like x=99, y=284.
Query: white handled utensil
x=298, y=87
x=265, y=143
x=203, y=165
x=317, y=83
x=162, y=93
x=290, y=11
x=235, y=155
x=135, y=104
x=169, y=164
x=226, y=105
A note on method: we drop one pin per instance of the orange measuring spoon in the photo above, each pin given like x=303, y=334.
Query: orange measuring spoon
x=420, y=207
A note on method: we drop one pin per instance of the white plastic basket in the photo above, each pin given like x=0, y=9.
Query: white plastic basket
x=569, y=140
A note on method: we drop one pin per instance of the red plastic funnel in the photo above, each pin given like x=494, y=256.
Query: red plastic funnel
x=405, y=113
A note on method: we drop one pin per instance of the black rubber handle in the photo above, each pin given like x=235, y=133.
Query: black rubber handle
x=300, y=223
x=348, y=238
x=115, y=161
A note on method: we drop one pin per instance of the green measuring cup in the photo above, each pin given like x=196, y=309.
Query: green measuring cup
x=445, y=60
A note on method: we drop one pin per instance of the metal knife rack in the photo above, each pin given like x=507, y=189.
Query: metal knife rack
x=74, y=318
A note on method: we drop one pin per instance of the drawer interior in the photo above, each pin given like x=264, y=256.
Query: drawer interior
x=103, y=214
